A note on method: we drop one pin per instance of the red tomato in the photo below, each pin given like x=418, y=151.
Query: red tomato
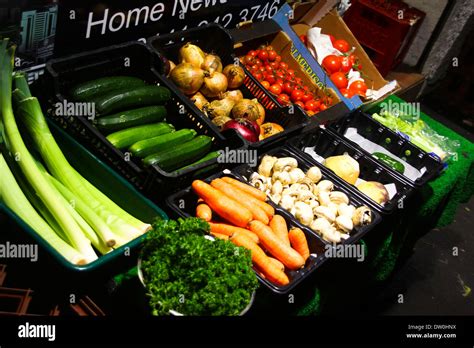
x=339, y=79
x=303, y=39
x=272, y=55
x=274, y=65
x=266, y=84
x=270, y=78
x=258, y=75
x=248, y=59
x=290, y=72
x=283, y=66
x=296, y=95
x=258, y=62
x=288, y=87
x=278, y=59
x=300, y=103
x=283, y=99
x=252, y=53
x=263, y=55
x=346, y=93
x=341, y=45
x=275, y=89
x=355, y=62
x=280, y=82
x=311, y=105
x=358, y=87
x=332, y=63
x=323, y=107
x=268, y=68
x=333, y=39
x=307, y=97
x=262, y=69
x=298, y=81
x=346, y=65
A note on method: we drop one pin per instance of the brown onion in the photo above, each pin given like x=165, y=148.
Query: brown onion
x=214, y=85
x=221, y=121
x=261, y=111
x=235, y=75
x=236, y=95
x=188, y=78
x=199, y=100
x=191, y=54
x=219, y=108
x=246, y=108
x=211, y=64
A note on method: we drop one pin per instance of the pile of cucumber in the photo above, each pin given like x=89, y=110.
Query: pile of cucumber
x=133, y=116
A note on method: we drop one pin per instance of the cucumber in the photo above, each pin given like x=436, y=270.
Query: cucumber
x=131, y=118
x=181, y=155
x=94, y=88
x=150, y=146
x=136, y=97
x=389, y=161
x=209, y=156
x=125, y=138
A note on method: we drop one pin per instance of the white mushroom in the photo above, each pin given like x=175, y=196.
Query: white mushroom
x=296, y=175
x=284, y=177
x=303, y=195
x=259, y=181
x=344, y=223
x=287, y=202
x=307, y=183
x=345, y=210
x=332, y=235
x=266, y=165
x=325, y=212
x=314, y=173
x=276, y=198
x=320, y=225
x=333, y=206
x=323, y=198
x=304, y=213
x=362, y=216
x=312, y=202
x=285, y=164
x=338, y=197
x=277, y=188
x=325, y=185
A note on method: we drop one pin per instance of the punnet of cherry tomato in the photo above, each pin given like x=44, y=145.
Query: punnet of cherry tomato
x=338, y=67
x=266, y=65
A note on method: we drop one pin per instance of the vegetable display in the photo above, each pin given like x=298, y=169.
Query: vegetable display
x=61, y=206
x=266, y=65
x=310, y=198
x=187, y=273
x=133, y=117
x=238, y=212
x=214, y=89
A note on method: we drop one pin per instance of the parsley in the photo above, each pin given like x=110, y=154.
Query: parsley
x=185, y=272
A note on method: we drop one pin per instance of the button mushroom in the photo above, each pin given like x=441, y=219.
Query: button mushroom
x=304, y=213
x=325, y=212
x=296, y=175
x=283, y=177
x=266, y=165
x=285, y=164
x=344, y=223
x=325, y=185
x=259, y=181
x=314, y=173
x=362, y=216
x=338, y=197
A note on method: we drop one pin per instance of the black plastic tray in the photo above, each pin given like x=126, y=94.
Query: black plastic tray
x=381, y=135
x=62, y=74
x=214, y=38
x=184, y=203
x=245, y=171
x=327, y=143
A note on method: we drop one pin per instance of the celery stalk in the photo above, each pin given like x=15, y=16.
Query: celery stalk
x=26, y=162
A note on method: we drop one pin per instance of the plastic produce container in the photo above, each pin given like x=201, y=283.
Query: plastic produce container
x=129, y=59
x=184, y=202
x=326, y=144
x=381, y=135
x=113, y=186
x=214, y=38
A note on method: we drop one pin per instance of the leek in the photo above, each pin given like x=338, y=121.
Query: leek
x=26, y=162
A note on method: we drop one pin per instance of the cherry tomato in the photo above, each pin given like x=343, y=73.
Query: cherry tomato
x=258, y=62
x=300, y=103
x=288, y=87
x=258, y=75
x=248, y=59
x=272, y=55
x=283, y=65
x=275, y=89
x=358, y=87
x=339, y=79
x=280, y=82
x=296, y=95
x=347, y=93
x=332, y=63
x=311, y=105
x=342, y=46
x=280, y=74
x=275, y=65
x=252, y=53
x=346, y=65
x=268, y=68
x=355, y=62
x=266, y=84
x=307, y=97
x=270, y=78
x=303, y=39
x=290, y=72
x=278, y=59
x=323, y=107
x=263, y=55
x=298, y=81
x=283, y=99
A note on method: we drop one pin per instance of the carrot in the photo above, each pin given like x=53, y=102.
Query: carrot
x=220, y=236
x=269, y=210
x=279, y=227
x=277, y=263
x=299, y=242
x=276, y=247
x=222, y=205
x=231, y=192
x=203, y=211
x=261, y=260
x=260, y=195
x=229, y=230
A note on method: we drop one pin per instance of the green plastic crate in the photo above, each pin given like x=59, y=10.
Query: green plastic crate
x=111, y=184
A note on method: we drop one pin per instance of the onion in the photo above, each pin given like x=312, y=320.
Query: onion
x=211, y=64
x=219, y=108
x=261, y=111
x=235, y=95
x=192, y=54
x=221, y=121
x=214, y=85
x=248, y=129
x=188, y=78
x=246, y=108
x=235, y=75
x=199, y=100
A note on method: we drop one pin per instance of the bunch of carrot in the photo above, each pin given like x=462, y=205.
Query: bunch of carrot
x=250, y=222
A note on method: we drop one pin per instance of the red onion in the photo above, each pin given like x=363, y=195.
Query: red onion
x=249, y=130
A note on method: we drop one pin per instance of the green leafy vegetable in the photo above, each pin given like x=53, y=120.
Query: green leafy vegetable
x=185, y=272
